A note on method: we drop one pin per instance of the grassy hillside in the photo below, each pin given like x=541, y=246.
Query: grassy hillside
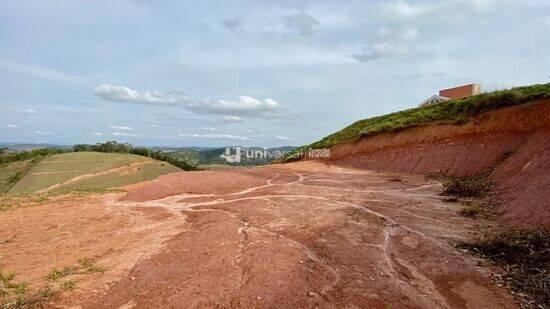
x=64, y=167
x=150, y=170
x=453, y=111
x=10, y=173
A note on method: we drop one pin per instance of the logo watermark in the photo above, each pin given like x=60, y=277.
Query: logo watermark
x=254, y=155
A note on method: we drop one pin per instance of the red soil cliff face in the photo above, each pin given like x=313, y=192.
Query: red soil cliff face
x=511, y=143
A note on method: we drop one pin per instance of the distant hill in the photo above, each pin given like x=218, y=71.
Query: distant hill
x=207, y=156
x=30, y=146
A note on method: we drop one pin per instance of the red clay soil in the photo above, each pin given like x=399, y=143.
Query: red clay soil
x=299, y=235
x=511, y=143
x=303, y=235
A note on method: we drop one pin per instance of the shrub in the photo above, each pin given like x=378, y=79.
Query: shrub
x=472, y=186
x=470, y=211
x=525, y=257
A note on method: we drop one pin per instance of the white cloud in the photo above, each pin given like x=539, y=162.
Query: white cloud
x=402, y=10
x=125, y=94
x=43, y=132
x=13, y=126
x=97, y=134
x=123, y=134
x=284, y=138
x=124, y=128
x=211, y=129
x=153, y=125
x=217, y=136
x=302, y=23
x=229, y=119
x=243, y=106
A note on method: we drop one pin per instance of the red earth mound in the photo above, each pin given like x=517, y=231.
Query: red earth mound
x=510, y=143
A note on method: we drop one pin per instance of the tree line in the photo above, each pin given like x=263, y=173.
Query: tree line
x=8, y=157
x=113, y=146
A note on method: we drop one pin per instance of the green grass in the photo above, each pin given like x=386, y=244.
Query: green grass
x=11, y=173
x=15, y=295
x=68, y=285
x=112, y=180
x=36, y=299
x=90, y=266
x=62, y=167
x=60, y=273
x=525, y=257
x=453, y=111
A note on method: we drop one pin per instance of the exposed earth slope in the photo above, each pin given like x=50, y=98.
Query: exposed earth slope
x=296, y=235
x=510, y=144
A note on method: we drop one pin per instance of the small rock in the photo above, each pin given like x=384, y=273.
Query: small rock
x=133, y=278
x=311, y=294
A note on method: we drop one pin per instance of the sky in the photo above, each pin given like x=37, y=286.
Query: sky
x=262, y=73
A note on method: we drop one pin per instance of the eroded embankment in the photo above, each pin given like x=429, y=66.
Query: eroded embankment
x=510, y=143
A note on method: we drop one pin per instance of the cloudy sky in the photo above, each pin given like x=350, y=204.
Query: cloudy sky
x=261, y=73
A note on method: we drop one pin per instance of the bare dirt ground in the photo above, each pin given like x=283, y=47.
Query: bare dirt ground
x=300, y=235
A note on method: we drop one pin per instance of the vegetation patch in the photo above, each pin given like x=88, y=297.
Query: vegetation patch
x=471, y=211
x=11, y=173
x=453, y=111
x=473, y=192
x=60, y=273
x=36, y=299
x=14, y=295
x=525, y=257
x=24, y=200
x=68, y=285
x=85, y=266
x=89, y=266
x=471, y=186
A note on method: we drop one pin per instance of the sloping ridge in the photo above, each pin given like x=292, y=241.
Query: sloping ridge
x=511, y=143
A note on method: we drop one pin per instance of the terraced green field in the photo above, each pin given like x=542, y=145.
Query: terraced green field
x=10, y=173
x=147, y=171
x=61, y=168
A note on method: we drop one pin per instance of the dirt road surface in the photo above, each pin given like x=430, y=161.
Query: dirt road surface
x=300, y=235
